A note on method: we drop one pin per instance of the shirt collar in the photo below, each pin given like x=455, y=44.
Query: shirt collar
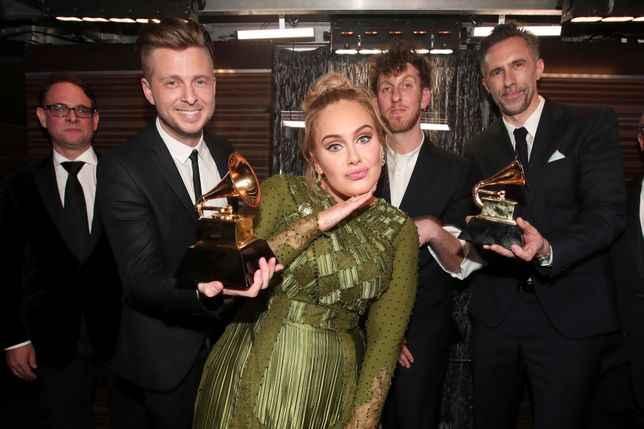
x=531, y=123
x=88, y=157
x=391, y=153
x=179, y=151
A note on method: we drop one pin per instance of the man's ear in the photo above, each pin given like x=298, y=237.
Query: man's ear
x=147, y=90
x=42, y=116
x=425, y=97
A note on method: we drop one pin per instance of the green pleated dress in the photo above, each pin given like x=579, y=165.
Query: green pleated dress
x=297, y=357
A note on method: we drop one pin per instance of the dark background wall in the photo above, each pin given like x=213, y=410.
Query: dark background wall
x=576, y=72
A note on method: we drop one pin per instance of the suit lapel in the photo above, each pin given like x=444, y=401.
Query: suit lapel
x=163, y=160
x=544, y=145
x=221, y=161
x=421, y=178
x=382, y=188
x=45, y=180
x=500, y=152
x=633, y=226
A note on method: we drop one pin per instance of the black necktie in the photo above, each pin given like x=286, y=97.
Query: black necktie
x=75, y=208
x=522, y=146
x=196, y=180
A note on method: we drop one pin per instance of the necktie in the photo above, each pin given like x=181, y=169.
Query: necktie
x=522, y=146
x=196, y=180
x=75, y=208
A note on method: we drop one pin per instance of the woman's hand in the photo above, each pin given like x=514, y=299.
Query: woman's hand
x=261, y=279
x=330, y=217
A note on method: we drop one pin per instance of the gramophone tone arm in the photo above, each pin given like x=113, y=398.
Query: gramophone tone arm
x=477, y=191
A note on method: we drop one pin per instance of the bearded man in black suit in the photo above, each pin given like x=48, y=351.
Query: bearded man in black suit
x=433, y=186
x=61, y=301
x=544, y=310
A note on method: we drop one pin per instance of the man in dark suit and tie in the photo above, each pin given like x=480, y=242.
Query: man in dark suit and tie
x=619, y=403
x=149, y=186
x=434, y=187
x=61, y=292
x=543, y=310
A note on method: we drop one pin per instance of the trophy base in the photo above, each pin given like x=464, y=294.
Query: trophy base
x=233, y=267
x=482, y=232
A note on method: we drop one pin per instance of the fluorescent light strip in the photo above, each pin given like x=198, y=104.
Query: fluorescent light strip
x=432, y=126
x=277, y=33
x=537, y=30
x=441, y=51
x=423, y=126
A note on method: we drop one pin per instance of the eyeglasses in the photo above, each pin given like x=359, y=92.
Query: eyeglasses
x=62, y=110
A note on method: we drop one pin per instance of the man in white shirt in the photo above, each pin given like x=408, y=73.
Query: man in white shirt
x=149, y=186
x=434, y=187
x=61, y=292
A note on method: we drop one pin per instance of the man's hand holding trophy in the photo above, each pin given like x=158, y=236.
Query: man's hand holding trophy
x=495, y=228
x=228, y=250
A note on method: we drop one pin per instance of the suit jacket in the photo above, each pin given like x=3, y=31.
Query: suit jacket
x=46, y=288
x=440, y=186
x=576, y=202
x=151, y=221
x=628, y=261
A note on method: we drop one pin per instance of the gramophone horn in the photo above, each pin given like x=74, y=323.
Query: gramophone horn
x=512, y=174
x=240, y=181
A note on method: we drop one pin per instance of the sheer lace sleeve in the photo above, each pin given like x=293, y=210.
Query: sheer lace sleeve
x=278, y=221
x=386, y=323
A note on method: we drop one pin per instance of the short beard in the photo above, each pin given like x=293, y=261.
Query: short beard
x=405, y=126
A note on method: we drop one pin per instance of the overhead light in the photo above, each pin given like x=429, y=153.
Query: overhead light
x=586, y=19
x=428, y=120
x=434, y=127
x=346, y=51
x=277, y=33
x=94, y=19
x=537, y=30
x=439, y=51
x=370, y=51
x=69, y=18
x=617, y=19
x=123, y=20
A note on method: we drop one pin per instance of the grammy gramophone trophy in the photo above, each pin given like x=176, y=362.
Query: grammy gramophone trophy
x=496, y=224
x=228, y=250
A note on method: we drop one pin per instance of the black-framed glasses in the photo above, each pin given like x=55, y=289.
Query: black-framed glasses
x=62, y=110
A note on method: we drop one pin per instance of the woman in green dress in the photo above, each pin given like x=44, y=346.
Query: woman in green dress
x=296, y=356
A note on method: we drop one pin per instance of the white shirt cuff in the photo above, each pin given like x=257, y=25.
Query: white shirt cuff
x=471, y=262
x=18, y=345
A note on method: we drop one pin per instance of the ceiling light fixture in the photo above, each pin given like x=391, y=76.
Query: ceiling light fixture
x=537, y=30
x=277, y=33
x=428, y=120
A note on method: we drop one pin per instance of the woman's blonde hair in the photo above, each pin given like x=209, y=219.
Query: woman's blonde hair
x=328, y=89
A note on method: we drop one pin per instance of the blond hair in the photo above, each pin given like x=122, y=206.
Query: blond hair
x=328, y=89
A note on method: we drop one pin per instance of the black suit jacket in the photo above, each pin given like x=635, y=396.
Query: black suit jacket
x=576, y=202
x=440, y=186
x=150, y=220
x=628, y=260
x=46, y=288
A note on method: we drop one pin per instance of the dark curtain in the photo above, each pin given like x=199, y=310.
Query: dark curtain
x=458, y=94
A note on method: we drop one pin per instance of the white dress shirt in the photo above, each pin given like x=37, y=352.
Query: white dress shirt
x=86, y=176
x=399, y=170
x=208, y=172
